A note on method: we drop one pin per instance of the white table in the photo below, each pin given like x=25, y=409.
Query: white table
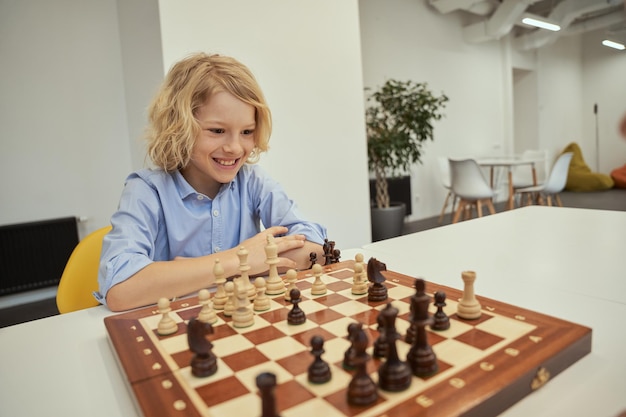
x=509, y=163
x=61, y=366
x=565, y=262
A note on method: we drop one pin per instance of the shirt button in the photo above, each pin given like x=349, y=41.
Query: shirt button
x=217, y=249
x=200, y=197
x=216, y=213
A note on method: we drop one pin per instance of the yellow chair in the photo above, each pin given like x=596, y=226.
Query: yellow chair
x=80, y=276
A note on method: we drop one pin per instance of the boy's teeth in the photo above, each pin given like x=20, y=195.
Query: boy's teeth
x=226, y=162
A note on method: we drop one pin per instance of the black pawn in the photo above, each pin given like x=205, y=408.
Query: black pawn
x=295, y=315
x=319, y=371
x=381, y=345
x=348, y=356
x=266, y=382
x=336, y=256
x=362, y=389
x=393, y=374
x=441, y=319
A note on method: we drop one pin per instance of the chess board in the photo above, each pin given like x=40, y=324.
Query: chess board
x=485, y=365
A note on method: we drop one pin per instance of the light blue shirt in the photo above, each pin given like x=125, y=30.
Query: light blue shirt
x=160, y=216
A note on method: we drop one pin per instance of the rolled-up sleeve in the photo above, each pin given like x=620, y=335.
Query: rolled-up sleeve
x=130, y=246
x=277, y=209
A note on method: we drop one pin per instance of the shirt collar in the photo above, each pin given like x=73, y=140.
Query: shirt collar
x=186, y=190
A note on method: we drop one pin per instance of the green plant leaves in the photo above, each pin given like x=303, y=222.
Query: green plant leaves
x=399, y=119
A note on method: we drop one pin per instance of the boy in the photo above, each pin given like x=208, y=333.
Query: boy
x=208, y=124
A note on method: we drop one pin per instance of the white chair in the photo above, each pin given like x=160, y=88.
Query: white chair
x=444, y=174
x=552, y=186
x=471, y=187
x=523, y=176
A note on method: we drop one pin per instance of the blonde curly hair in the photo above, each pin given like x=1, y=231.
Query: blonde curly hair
x=173, y=127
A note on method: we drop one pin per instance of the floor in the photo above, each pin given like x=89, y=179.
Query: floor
x=18, y=312
x=614, y=199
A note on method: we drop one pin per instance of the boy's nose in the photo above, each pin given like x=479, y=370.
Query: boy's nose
x=233, y=143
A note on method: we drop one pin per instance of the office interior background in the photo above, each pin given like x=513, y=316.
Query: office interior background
x=77, y=75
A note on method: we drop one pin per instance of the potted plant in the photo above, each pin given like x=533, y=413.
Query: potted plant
x=399, y=119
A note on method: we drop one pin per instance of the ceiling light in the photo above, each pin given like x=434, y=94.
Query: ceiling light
x=540, y=23
x=614, y=45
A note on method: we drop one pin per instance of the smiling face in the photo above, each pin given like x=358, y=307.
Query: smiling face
x=225, y=141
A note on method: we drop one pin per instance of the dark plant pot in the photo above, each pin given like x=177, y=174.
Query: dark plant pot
x=387, y=222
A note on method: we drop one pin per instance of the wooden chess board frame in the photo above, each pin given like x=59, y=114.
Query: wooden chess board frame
x=485, y=365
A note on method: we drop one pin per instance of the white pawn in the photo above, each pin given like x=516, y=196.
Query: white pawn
x=318, y=288
x=229, y=307
x=166, y=325
x=220, y=298
x=274, y=284
x=468, y=308
x=290, y=282
x=243, y=315
x=262, y=301
x=244, y=279
x=359, y=284
x=358, y=258
x=207, y=314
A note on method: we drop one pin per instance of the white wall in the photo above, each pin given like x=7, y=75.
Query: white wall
x=306, y=56
x=603, y=84
x=77, y=77
x=560, y=98
x=406, y=39
x=501, y=100
x=63, y=129
x=142, y=65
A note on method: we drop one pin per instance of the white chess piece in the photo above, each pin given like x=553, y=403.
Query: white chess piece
x=262, y=301
x=243, y=315
x=244, y=279
x=359, y=283
x=220, y=298
x=166, y=325
x=358, y=258
x=318, y=288
x=230, y=305
x=274, y=284
x=468, y=307
x=207, y=314
x=290, y=282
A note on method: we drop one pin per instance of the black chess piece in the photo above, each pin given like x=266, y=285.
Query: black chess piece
x=377, y=291
x=362, y=389
x=348, y=356
x=381, y=345
x=393, y=374
x=441, y=321
x=319, y=371
x=203, y=362
x=312, y=259
x=295, y=315
x=328, y=251
x=420, y=294
x=266, y=382
x=336, y=256
x=421, y=357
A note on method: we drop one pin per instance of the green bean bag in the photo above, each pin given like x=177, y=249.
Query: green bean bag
x=580, y=177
